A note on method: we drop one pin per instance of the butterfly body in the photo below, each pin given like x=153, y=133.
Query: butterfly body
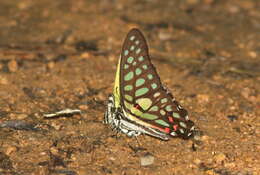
x=140, y=104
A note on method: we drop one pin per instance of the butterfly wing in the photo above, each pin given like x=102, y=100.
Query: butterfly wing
x=142, y=95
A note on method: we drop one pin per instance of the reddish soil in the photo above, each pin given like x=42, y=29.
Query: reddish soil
x=63, y=54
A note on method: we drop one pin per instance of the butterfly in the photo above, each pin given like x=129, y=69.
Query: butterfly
x=140, y=104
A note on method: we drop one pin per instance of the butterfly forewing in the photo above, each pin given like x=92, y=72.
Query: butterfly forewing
x=142, y=93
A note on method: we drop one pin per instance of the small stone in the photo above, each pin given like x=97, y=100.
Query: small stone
x=12, y=66
x=147, y=160
x=163, y=35
x=10, y=150
x=210, y=172
x=54, y=150
x=42, y=170
x=233, y=9
x=197, y=161
x=230, y=165
x=204, y=138
x=83, y=107
x=203, y=98
x=252, y=54
x=21, y=116
x=23, y=5
x=112, y=58
x=43, y=153
x=51, y=65
x=192, y=2
x=85, y=55
x=245, y=92
x=232, y=117
x=219, y=158
x=3, y=80
x=102, y=96
x=56, y=126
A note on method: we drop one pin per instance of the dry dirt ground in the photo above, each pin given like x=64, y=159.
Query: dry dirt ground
x=63, y=54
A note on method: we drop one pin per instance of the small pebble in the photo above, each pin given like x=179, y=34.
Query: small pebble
x=102, y=96
x=210, y=172
x=85, y=55
x=21, y=116
x=147, y=160
x=54, y=150
x=56, y=126
x=197, y=161
x=230, y=165
x=42, y=170
x=83, y=107
x=51, y=65
x=232, y=117
x=164, y=35
x=204, y=138
x=252, y=54
x=12, y=66
x=10, y=150
x=219, y=158
x=18, y=124
x=3, y=80
x=203, y=98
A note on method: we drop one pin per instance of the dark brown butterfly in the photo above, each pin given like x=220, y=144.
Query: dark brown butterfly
x=140, y=104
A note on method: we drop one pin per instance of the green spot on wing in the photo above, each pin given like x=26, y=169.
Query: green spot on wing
x=126, y=66
x=139, y=82
x=138, y=51
x=161, y=122
x=126, y=52
x=168, y=108
x=129, y=98
x=154, y=85
x=129, y=76
x=183, y=125
x=145, y=103
x=141, y=91
x=156, y=94
x=162, y=112
x=154, y=108
x=132, y=48
x=128, y=105
x=149, y=116
x=176, y=115
x=128, y=88
x=132, y=38
x=145, y=67
x=138, y=71
x=141, y=58
x=164, y=100
x=130, y=60
x=150, y=76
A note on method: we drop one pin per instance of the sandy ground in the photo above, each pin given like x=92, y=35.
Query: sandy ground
x=63, y=54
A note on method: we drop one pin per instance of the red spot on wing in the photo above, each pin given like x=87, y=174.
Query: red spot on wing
x=170, y=119
x=137, y=106
x=175, y=127
x=167, y=130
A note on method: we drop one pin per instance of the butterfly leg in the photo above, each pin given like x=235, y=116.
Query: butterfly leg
x=112, y=115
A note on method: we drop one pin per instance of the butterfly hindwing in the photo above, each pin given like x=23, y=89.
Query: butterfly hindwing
x=142, y=94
